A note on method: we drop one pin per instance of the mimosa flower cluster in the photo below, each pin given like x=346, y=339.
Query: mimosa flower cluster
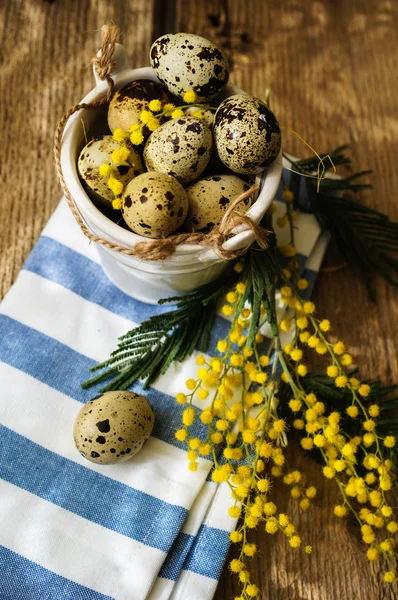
x=150, y=120
x=236, y=395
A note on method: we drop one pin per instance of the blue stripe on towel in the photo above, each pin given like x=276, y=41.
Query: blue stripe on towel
x=22, y=579
x=72, y=368
x=88, y=494
x=175, y=559
x=52, y=260
x=208, y=553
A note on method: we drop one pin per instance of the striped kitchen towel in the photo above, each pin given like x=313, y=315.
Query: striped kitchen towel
x=74, y=530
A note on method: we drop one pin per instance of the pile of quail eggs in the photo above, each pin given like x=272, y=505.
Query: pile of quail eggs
x=184, y=174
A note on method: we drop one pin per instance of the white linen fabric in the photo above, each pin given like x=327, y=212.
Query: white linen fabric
x=70, y=529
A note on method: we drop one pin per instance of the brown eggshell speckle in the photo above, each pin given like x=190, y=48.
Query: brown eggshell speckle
x=98, y=152
x=113, y=427
x=154, y=205
x=210, y=197
x=247, y=134
x=181, y=148
x=128, y=102
x=184, y=61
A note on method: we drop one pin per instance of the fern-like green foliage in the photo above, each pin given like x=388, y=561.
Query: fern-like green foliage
x=366, y=238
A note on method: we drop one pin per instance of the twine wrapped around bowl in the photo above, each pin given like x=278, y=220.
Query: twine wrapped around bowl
x=124, y=253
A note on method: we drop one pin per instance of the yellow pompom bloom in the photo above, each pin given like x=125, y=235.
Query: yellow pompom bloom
x=282, y=221
x=190, y=384
x=145, y=116
x=319, y=440
x=307, y=443
x=240, y=287
x=296, y=354
x=259, y=338
x=283, y=520
x=285, y=324
x=222, y=424
x=181, y=435
x=340, y=465
x=155, y=105
x=200, y=360
x=346, y=360
x=339, y=348
x=340, y=511
x=302, y=284
x=153, y=124
x=321, y=348
x=288, y=348
x=364, y=390
x=202, y=394
x=389, y=441
x=168, y=109
x=216, y=437
x=392, y=527
x=188, y=416
x=206, y=416
x=295, y=405
x=193, y=466
x=324, y=325
x=177, y=113
x=235, y=536
x=374, y=410
x=352, y=411
x=341, y=381
x=119, y=135
x=264, y=361
x=205, y=449
x=249, y=437
x=369, y=425
x=227, y=310
x=263, y=485
x=192, y=455
x=136, y=137
x=354, y=383
x=329, y=472
x=189, y=96
x=372, y=554
x=304, y=337
x=347, y=450
x=236, y=565
x=279, y=425
x=309, y=307
x=105, y=170
x=181, y=398
x=298, y=424
x=287, y=195
x=252, y=590
x=302, y=322
x=222, y=346
x=295, y=541
x=310, y=492
x=295, y=492
x=117, y=203
x=135, y=127
x=313, y=341
x=390, y=577
x=287, y=250
x=271, y=526
x=115, y=186
x=332, y=371
x=234, y=512
x=249, y=549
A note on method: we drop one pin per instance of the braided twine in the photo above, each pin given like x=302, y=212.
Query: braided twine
x=158, y=249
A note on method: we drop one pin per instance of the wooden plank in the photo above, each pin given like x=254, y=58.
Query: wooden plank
x=330, y=67
x=44, y=70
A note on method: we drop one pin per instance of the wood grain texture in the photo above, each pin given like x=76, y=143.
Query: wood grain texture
x=332, y=68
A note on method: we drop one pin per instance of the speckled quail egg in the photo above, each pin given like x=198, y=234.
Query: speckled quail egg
x=184, y=61
x=210, y=197
x=113, y=427
x=246, y=133
x=181, y=147
x=154, y=205
x=98, y=152
x=128, y=102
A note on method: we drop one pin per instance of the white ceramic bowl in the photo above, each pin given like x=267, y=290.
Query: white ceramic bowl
x=191, y=265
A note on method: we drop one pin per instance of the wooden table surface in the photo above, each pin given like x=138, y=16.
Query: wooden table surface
x=332, y=68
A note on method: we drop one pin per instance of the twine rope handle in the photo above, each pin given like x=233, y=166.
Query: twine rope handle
x=157, y=249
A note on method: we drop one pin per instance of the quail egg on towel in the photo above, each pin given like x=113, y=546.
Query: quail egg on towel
x=98, y=152
x=181, y=147
x=247, y=134
x=154, y=205
x=128, y=102
x=184, y=61
x=113, y=427
x=210, y=197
